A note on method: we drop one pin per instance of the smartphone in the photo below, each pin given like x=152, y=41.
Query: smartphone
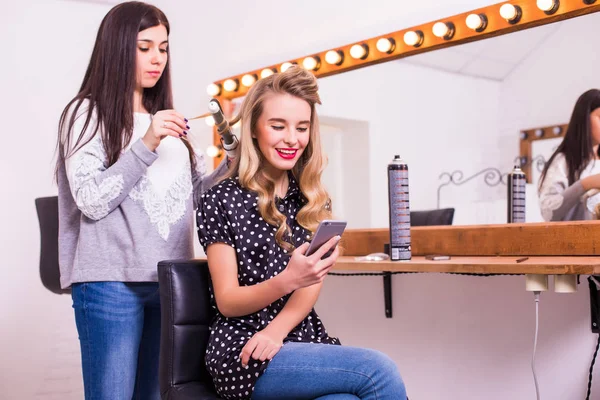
x=325, y=231
x=437, y=257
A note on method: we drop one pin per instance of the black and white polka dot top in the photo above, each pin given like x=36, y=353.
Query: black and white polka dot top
x=229, y=214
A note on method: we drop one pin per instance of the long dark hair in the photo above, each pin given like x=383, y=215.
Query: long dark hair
x=577, y=146
x=109, y=83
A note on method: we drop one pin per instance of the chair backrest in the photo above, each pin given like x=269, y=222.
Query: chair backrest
x=47, y=211
x=442, y=216
x=186, y=315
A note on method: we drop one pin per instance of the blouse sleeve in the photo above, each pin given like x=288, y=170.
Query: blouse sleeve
x=213, y=223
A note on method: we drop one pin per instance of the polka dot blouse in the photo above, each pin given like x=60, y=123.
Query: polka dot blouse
x=229, y=214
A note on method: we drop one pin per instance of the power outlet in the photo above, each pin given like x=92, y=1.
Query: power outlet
x=594, y=284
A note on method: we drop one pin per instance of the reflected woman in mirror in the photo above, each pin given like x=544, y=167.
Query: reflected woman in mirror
x=569, y=188
x=267, y=341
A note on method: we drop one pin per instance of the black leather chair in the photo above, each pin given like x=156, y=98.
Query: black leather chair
x=186, y=315
x=442, y=216
x=47, y=211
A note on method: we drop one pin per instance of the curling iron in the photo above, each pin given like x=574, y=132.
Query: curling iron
x=228, y=139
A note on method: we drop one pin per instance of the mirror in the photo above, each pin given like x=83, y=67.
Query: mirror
x=454, y=115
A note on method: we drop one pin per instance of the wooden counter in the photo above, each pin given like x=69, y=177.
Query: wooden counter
x=545, y=265
x=578, y=238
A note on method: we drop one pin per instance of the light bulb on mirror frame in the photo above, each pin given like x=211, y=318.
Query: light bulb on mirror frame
x=413, y=38
x=286, y=65
x=237, y=128
x=231, y=85
x=511, y=13
x=334, y=57
x=539, y=133
x=266, y=72
x=443, y=30
x=557, y=130
x=213, y=89
x=549, y=7
x=359, y=51
x=213, y=151
x=522, y=161
x=248, y=80
x=523, y=135
x=386, y=45
x=312, y=63
x=477, y=22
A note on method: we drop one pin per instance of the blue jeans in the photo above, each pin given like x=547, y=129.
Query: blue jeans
x=329, y=372
x=119, y=333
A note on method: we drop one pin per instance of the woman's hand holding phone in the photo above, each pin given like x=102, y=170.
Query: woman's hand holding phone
x=303, y=271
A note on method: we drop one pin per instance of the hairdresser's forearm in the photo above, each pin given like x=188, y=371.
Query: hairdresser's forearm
x=571, y=196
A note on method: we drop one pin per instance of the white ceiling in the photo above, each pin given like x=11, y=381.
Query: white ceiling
x=492, y=58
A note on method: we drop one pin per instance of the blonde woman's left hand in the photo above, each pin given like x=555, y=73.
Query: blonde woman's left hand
x=262, y=346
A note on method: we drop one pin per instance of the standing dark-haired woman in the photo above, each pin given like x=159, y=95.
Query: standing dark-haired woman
x=128, y=184
x=570, y=181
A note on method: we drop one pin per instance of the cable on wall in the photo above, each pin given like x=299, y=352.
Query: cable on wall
x=537, y=324
x=589, y=390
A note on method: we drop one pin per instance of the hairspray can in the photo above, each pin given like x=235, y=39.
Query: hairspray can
x=399, y=210
x=516, y=195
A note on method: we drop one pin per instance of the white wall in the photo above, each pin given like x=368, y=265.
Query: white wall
x=426, y=116
x=542, y=90
x=461, y=337
x=42, y=66
x=346, y=143
x=451, y=336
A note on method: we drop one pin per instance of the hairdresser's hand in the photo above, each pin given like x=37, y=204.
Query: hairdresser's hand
x=303, y=271
x=262, y=346
x=591, y=182
x=165, y=123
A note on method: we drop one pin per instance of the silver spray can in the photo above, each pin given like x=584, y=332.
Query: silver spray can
x=399, y=210
x=516, y=195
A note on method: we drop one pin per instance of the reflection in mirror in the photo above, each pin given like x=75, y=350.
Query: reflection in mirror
x=454, y=115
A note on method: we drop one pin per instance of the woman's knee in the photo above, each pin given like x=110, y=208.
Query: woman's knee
x=381, y=362
x=384, y=376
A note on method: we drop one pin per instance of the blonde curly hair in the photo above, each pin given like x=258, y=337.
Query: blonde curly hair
x=248, y=162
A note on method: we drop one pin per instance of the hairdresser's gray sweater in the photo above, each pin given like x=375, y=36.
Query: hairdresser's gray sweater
x=561, y=202
x=117, y=223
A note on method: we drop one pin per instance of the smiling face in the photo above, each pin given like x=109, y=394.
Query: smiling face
x=152, y=56
x=283, y=131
